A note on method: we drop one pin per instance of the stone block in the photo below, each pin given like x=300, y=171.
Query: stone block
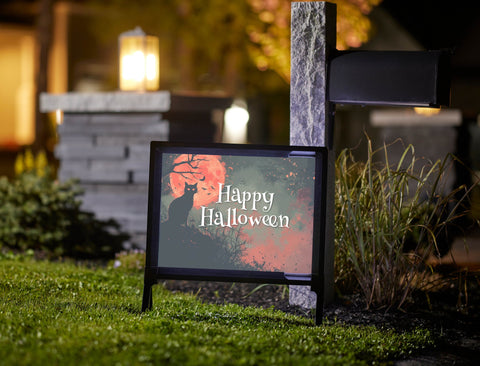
x=77, y=174
x=125, y=118
x=75, y=140
x=431, y=144
x=127, y=165
x=89, y=175
x=114, y=125
x=75, y=118
x=133, y=139
x=137, y=224
x=74, y=165
x=139, y=150
x=117, y=203
x=138, y=162
x=88, y=151
x=140, y=176
x=109, y=166
x=75, y=129
x=77, y=149
x=106, y=102
x=138, y=157
x=159, y=130
x=103, y=176
x=115, y=188
x=134, y=129
x=302, y=296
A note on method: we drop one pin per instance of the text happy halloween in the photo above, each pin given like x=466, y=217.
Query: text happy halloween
x=232, y=217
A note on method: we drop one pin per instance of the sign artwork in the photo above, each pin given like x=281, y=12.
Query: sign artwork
x=237, y=212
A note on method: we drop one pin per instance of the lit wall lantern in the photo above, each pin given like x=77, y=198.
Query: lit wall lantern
x=236, y=120
x=139, y=61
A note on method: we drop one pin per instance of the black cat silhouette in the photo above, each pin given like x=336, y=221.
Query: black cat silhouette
x=180, y=207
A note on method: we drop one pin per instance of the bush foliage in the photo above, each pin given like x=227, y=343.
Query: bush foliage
x=41, y=214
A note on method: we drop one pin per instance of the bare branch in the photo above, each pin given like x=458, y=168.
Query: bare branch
x=193, y=163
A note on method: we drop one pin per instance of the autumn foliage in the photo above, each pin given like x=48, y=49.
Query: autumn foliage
x=225, y=44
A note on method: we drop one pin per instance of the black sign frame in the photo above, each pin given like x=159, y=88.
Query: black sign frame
x=154, y=273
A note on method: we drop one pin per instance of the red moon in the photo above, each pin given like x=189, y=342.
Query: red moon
x=205, y=170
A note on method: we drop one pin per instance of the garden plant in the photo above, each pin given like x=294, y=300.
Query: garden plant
x=44, y=215
x=390, y=221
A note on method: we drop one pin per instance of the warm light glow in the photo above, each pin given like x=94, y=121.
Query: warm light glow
x=133, y=66
x=426, y=111
x=17, y=86
x=237, y=116
x=151, y=67
x=139, y=62
x=59, y=116
x=236, y=120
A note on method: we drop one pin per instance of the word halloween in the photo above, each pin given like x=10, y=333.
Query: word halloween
x=211, y=217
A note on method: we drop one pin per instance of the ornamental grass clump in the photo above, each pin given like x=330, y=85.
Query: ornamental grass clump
x=389, y=220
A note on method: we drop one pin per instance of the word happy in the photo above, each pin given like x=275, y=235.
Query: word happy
x=248, y=201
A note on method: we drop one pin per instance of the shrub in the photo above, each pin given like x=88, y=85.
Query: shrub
x=41, y=214
x=389, y=220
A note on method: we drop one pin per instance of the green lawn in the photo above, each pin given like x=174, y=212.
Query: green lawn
x=60, y=313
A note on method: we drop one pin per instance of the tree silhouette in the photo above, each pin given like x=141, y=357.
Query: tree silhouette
x=187, y=168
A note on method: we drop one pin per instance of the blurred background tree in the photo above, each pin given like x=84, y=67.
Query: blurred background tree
x=239, y=48
x=270, y=33
x=233, y=46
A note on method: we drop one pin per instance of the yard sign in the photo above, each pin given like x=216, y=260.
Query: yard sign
x=321, y=77
x=235, y=213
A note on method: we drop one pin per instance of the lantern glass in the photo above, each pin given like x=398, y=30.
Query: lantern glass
x=139, y=61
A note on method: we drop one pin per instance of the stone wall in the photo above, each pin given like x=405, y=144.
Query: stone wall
x=432, y=137
x=104, y=143
x=109, y=154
